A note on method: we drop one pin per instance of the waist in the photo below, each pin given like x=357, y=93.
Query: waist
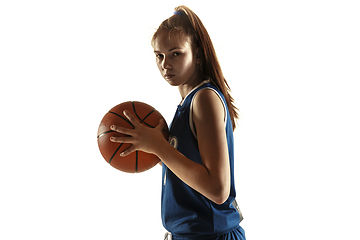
x=173, y=236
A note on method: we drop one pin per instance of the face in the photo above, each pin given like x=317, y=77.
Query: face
x=176, y=60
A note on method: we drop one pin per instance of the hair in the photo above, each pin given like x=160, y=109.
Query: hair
x=185, y=21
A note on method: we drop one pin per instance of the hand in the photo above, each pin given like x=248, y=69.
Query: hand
x=142, y=138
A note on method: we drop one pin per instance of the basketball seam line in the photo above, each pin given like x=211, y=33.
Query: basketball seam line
x=136, y=162
x=122, y=118
x=115, y=152
x=148, y=116
x=102, y=134
x=142, y=120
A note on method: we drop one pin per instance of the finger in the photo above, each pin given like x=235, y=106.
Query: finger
x=161, y=124
x=122, y=139
x=122, y=130
x=131, y=118
x=128, y=151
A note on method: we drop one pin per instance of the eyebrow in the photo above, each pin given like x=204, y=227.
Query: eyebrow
x=175, y=48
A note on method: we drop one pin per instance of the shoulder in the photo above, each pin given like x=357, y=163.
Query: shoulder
x=207, y=104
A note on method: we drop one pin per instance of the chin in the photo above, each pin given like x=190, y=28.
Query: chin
x=172, y=83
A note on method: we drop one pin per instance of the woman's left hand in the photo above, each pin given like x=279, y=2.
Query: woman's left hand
x=142, y=138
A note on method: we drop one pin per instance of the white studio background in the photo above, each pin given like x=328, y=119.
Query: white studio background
x=294, y=70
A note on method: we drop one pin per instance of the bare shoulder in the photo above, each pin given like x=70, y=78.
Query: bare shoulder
x=207, y=104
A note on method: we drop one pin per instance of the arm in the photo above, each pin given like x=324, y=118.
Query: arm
x=212, y=178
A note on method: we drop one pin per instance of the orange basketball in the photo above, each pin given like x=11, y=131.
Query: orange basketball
x=137, y=161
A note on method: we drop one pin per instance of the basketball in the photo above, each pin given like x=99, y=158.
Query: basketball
x=137, y=161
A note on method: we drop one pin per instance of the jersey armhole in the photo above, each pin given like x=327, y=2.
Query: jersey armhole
x=191, y=122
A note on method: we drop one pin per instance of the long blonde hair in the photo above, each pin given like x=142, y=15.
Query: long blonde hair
x=187, y=22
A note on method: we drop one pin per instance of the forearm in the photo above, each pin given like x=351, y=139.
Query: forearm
x=211, y=178
x=193, y=174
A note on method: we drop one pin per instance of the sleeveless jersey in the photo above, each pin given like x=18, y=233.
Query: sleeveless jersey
x=185, y=213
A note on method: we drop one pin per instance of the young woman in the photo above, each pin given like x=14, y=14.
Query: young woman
x=198, y=192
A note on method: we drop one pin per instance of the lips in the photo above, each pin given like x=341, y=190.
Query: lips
x=168, y=76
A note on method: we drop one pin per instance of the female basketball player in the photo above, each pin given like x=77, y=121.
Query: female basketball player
x=198, y=193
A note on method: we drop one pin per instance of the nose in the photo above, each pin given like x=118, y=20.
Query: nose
x=166, y=64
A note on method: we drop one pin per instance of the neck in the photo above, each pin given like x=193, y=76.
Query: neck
x=185, y=91
x=185, y=88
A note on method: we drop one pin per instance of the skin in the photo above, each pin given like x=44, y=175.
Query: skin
x=177, y=62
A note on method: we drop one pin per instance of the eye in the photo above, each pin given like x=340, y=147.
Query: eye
x=175, y=54
x=159, y=55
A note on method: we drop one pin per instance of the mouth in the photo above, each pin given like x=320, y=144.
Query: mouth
x=168, y=76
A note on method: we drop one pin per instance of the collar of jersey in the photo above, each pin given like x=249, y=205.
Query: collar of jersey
x=202, y=83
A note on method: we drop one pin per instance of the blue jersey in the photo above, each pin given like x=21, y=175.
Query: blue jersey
x=186, y=213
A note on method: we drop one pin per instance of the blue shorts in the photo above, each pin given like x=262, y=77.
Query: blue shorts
x=237, y=234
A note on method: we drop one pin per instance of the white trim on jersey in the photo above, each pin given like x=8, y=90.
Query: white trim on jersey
x=202, y=83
